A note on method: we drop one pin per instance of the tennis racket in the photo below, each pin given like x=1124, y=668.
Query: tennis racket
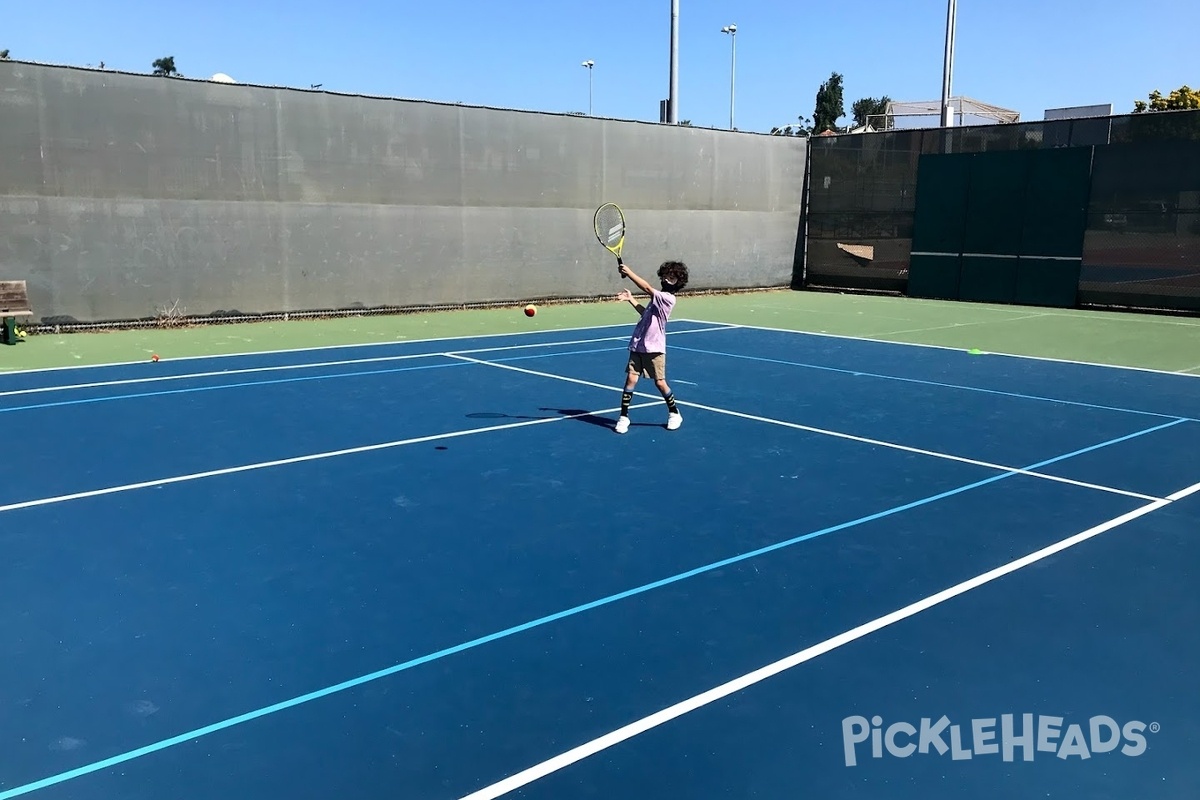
x=610, y=229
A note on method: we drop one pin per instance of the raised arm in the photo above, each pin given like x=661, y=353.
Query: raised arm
x=638, y=281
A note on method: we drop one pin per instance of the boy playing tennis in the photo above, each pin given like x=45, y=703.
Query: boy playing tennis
x=648, y=345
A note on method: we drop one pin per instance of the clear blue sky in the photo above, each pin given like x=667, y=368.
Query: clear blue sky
x=1026, y=55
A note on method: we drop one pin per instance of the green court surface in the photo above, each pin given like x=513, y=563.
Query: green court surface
x=1149, y=341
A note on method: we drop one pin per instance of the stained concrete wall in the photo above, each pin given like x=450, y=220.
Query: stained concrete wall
x=121, y=195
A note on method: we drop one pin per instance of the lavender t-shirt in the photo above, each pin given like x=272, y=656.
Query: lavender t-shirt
x=650, y=335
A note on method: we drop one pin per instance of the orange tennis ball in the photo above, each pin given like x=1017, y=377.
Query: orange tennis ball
x=530, y=311
x=154, y=357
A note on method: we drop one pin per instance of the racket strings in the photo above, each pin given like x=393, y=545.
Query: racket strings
x=610, y=226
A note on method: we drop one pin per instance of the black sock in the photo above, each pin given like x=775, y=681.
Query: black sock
x=671, y=403
x=626, y=397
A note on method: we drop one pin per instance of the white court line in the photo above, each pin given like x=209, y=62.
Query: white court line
x=45, y=501
x=1138, y=319
x=941, y=347
x=215, y=373
x=318, y=364
x=935, y=384
x=1000, y=321
x=575, y=754
x=835, y=434
x=251, y=353
x=932, y=453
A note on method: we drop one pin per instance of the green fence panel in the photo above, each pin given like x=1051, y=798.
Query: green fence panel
x=939, y=219
x=1056, y=213
x=1056, y=203
x=995, y=202
x=934, y=276
x=941, y=211
x=1047, y=282
x=988, y=279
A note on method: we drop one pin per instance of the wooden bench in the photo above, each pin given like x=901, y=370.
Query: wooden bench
x=14, y=302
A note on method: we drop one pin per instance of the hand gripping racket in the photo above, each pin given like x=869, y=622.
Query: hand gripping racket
x=610, y=229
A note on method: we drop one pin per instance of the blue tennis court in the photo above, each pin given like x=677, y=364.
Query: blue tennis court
x=431, y=570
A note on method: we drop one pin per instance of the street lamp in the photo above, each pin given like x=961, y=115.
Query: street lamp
x=732, y=31
x=589, y=64
x=948, y=63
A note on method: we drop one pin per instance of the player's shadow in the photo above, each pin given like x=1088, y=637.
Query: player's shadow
x=497, y=415
x=576, y=414
x=583, y=415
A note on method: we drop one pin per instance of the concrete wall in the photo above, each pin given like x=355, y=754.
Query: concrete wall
x=123, y=194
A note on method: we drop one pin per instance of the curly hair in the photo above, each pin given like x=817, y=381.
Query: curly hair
x=674, y=273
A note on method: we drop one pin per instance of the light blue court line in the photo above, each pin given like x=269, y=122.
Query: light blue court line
x=860, y=373
x=621, y=349
x=400, y=343
x=1019, y=356
x=159, y=377
x=1110, y=442
x=277, y=381
x=701, y=327
x=218, y=387
x=249, y=716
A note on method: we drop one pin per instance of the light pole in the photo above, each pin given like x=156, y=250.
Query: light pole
x=673, y=96
x=948, y=64
x=732, y=31
x=589, y=64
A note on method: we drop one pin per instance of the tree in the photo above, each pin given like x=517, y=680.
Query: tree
x=3, y=55
x=1148, y=126
x=829, y=107
x=869, y=107
x=1182, y=98
x=165, y=66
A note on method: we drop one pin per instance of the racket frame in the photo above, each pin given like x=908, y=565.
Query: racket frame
x=603, y=237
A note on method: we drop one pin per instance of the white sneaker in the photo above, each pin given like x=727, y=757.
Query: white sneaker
x=622, y=425
x=674, y=420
